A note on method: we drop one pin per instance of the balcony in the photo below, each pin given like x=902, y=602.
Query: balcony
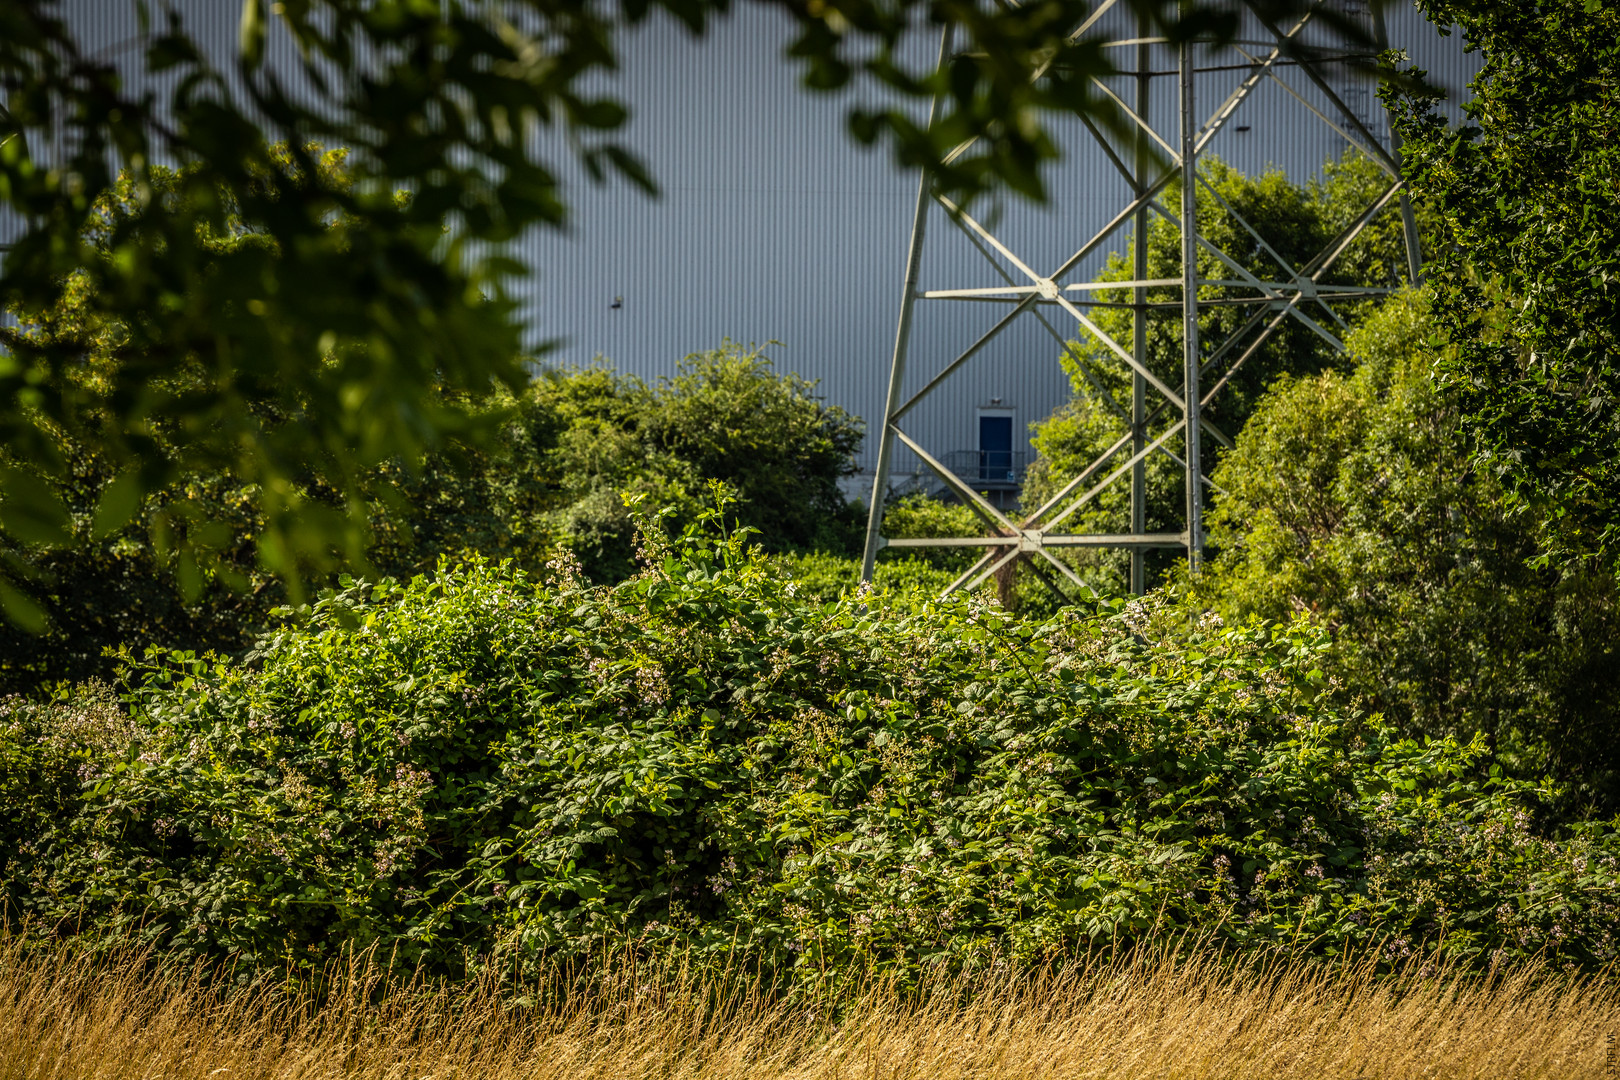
x=989, y=470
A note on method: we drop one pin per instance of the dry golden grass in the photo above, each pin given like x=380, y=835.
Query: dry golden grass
x=68, y=1017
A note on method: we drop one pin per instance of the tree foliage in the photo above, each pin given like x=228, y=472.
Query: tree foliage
x=1527, y=278
x=1352, y=498
x=75, y=472
x=725, y=415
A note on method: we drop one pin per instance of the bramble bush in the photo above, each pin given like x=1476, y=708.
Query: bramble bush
x=480, y=769
x=826, y=575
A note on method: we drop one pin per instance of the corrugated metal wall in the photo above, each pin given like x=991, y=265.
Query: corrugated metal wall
x=773, y=225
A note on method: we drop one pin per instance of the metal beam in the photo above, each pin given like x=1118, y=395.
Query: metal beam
x=944, y=373
x=1053, y=587
x=960, y=486
x=967, y=575
x=1141, y=124
x=1139, y=270
x=902, y=339
x=992, y=568
x=1075, y=35
x=1374, y=146
x=1189, y=312
x=1119, y=351
x=1117, y=473
x=1143, y=540
x=987, y=236
x=1062, y=342
x=1414, y=248
x=1326, y=258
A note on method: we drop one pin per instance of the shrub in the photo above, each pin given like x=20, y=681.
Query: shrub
x=569, y=445
x=917, y=573
x=823, y=577
x=1354, y=499
x=480, y=769
x=920, y=516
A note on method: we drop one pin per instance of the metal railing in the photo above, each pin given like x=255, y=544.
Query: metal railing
x=989, y=468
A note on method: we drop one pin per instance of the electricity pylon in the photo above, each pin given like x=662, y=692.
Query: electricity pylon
x=1156, y=161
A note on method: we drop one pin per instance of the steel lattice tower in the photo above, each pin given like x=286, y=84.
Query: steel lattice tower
x=1151, y=162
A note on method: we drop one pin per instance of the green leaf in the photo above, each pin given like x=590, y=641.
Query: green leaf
x=252, y=32
x=20, y=608
x=117, y=505
x=189, y=575
x=31, y=511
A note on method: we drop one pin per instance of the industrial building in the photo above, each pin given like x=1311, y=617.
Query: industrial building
x=773, y=225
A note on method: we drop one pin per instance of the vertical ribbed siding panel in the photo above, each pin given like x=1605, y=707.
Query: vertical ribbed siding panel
x=773, y=225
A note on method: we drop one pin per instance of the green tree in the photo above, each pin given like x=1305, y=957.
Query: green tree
x=164, y=554
x=1527, y=281
x=1297, y=221
x=1351, y=498
x=780, y=448
x=725, y=415
x=357, y=308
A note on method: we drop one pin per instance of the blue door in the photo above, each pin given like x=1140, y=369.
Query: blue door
x=995, y=448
